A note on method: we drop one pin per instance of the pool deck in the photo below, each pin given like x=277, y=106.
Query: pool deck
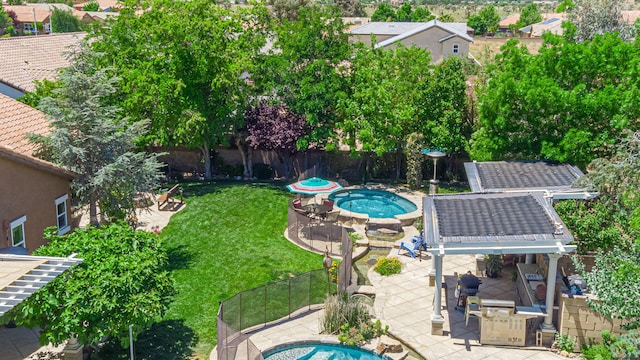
x=404, y=302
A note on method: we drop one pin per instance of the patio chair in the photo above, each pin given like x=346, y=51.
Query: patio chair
x=472, y=308
x=297, y=206
x=416, y=244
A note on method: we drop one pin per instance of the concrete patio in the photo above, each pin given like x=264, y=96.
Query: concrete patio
x=404, y=302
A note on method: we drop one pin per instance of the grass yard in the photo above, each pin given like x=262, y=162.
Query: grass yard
x=229, y=238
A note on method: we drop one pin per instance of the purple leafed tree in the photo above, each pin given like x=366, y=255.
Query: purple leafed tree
x=275, y=127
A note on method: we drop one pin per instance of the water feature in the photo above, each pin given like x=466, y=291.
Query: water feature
x=366, y=262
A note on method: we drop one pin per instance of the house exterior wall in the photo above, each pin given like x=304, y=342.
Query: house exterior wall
x=28, y=191
x=366, y=39
x=430, y=40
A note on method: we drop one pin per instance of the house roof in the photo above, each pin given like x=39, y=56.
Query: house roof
x=454, y=30
x=50, y=6
x=21, y=276
x=552, y=23
x=29, y=58
x=497, y=223
x=500, y=176
x=101, y=15
x=385, y=28
x=102, y=4
x=509, y=20
x=27, y=13
x=630, y=16
x=17, y=120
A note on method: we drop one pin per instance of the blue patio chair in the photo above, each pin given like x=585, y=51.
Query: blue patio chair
x=416, y=244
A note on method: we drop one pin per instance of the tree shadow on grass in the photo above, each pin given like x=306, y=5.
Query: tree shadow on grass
x=165, y=340
x=178, y=258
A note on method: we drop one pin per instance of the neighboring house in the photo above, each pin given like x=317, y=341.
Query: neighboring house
x=34, y=194
x=551, y=23
x=505, y=24
x=100, y=16
x=442, y=39
x=28, y=58
x=103, y=5
x=354, y=22
x=30, y=19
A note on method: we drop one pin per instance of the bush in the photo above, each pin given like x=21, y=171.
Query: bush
x=565, y=342
x=388, y=265
x=493, y=265
x=263, y=171
x=626, y=347
x=340, y=310
x=596, y=352
x=358, y=335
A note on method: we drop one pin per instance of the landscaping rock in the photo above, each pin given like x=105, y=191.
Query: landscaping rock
x=388, y=345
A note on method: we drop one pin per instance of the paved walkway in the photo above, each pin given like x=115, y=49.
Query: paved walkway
x=404, y=302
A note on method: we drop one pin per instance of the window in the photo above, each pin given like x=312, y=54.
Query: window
x=456, y=48
x=17, y=231
x=61, y=214
x=28, y=27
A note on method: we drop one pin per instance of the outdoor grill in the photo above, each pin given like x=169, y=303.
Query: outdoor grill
x=468, y=285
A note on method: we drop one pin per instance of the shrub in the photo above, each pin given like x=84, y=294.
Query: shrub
x=596, y=352
x=626, y=347
x=493, y=265
x=341, y=309
x=263, y=171
x=565, y=342
x=388, y=265
x=357, y=335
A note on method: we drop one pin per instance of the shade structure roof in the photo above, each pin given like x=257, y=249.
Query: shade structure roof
x=23, y=275
x=498, y=176
x=314, y=186
x=496, y=223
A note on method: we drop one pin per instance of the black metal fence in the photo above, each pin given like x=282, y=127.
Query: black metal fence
x=259, y=307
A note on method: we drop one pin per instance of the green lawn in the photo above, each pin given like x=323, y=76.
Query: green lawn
x=229, y=238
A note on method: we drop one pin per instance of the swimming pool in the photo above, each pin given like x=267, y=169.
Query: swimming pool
x=375, y=203
x=321, y=351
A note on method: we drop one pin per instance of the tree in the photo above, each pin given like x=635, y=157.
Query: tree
x=442, y=107
x=384, y=12
x=63, y=21
x=569, y=103
x=588, y=18
x=381, y=111
x=122, y=280
x=307, y=69
x=422, y=14
x=413, y=152
x=186, y=75
x=273, y=127
x=446, y=18
x=6, y=22
x=485, y=20
x=404, y=13
x=351, y=8
x=287, y=9
x=529, y=15
x=91, y=6
x=93, y=139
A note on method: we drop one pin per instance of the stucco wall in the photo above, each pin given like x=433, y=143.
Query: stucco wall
x=28, y=191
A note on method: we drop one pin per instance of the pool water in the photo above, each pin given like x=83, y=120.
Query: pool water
x=375, y=203
x=322, y=352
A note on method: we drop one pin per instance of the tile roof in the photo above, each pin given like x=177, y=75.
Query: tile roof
x=27, y=13
x=385, y=28
x=29, y=58
x=17, y=120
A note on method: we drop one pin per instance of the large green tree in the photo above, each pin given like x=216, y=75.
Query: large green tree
x=94, y=140
x=122, y=280
x=6, y=23
x=307, y=69
x=63, y=21
x=181, y=65
x=588, y=18
x=529, y=15
x=484, y=21
x=384, y=12
x=570, y=102
x=381, y=112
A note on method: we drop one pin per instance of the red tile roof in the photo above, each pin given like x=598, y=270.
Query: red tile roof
x=29, y=58
x=17, y=120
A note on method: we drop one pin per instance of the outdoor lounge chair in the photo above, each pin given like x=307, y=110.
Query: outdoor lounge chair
x=416, y=244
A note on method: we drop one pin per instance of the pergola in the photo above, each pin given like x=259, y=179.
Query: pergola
x=494, y=223
x=23, y=275
x=508, y=176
